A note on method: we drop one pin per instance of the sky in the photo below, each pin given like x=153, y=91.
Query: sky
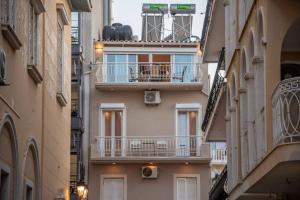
x=128, y=12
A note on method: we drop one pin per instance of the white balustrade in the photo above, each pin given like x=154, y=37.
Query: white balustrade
x=142, y=146
x=120, y=72
x=286, y=111
x=219, y=156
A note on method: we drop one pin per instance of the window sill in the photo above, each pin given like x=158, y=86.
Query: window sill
x=10, y=35
x=34, y=74
x=61, y=99
x=38, y=6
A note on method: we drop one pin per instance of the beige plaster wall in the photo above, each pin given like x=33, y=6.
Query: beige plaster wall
x=34, y=108
x=145, y=120
x=145, y=189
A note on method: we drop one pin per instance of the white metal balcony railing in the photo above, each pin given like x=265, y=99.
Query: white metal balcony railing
x=286, y=111
x=219, y=156
x=143, y=147
x=148, y=72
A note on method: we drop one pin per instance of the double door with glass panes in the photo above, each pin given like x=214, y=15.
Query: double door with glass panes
x=187, y=136
x=112, y=140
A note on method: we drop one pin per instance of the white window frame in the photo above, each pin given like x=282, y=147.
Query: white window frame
x=29, y=183
x=4, y=167
x=104, y=107
x=190, y=107
x=197, y=176
x=102, y=177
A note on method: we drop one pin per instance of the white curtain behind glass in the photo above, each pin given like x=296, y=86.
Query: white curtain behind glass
x=186, y=188
x=113, y=189
x=184, y=64
x=116, y=68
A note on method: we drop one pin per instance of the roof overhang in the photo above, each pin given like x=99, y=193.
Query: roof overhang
x=215, y=37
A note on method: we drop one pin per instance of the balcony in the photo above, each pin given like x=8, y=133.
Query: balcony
x=215, y=90
x=159, y=75
x=147, y=148
x=219, y=156
x=286, y=112
x=81, y=5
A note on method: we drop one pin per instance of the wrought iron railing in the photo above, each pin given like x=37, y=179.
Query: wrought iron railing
x=218, y=189
x=206, y=22
x=124, y=72
x=215, y=90
x=146, y=147
x=286, y=111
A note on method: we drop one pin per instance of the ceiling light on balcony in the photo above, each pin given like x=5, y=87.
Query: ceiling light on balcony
x=114, y=163
x=186, y=163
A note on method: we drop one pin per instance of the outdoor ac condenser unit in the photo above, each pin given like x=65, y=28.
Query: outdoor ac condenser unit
x=152, y=97
x=150, y=172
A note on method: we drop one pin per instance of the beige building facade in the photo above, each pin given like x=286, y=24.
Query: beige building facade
x=35, y=96
x=260, y=94
x=147, y=101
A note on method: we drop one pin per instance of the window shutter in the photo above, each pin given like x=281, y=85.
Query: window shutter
x=180, y=190
x=113, y=184
x=191, y=188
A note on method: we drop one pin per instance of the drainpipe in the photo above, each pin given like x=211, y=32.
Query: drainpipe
x=106, y=12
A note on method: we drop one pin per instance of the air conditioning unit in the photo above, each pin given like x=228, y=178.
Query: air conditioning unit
x=2, y=67
x=152, y=97
x=150, y=172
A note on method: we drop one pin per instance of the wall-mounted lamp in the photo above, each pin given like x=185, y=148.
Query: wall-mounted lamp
x=98, y=50
x=82, y=190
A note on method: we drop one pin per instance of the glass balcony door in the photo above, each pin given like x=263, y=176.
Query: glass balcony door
x=117, y=68
x=183, y=67
x=186, y=140
x=112, y=125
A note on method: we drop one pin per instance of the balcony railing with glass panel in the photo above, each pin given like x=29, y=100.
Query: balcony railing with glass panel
x=145, y=147
x=149, y=72
x=286, y=111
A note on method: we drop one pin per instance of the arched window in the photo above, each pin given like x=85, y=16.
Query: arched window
x=229, y=138
x=31, y=171
x=244, y=115
x=234, y=135
x=286, y=106
x=259, y=66
x=8, y=159
x=251, y=96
